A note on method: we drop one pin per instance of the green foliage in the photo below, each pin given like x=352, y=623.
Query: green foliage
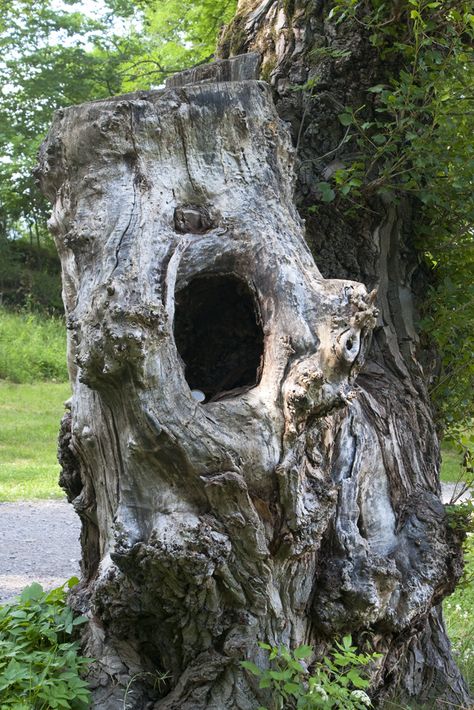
x=459, y=617
x=30, y=274
x=49, y=58
x=461, y=518
x=177, y=34
x=53, y=56
x=40, y=668
x=460, y=510
x=413, y=136
x=449, y=317
x=32, y=347
x=337, y=681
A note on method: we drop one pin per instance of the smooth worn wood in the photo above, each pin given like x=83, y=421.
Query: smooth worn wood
x=232, y=484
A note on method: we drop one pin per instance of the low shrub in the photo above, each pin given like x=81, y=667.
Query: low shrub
x=40, y=668
x=337, y=681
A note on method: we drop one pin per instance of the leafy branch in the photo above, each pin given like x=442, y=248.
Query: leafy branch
x=405, y=139
x=336, y=681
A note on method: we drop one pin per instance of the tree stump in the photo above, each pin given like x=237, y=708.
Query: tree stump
x=232, y=486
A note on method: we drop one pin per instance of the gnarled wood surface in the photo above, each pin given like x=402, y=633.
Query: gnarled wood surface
x=267, y=511
x=317, y=66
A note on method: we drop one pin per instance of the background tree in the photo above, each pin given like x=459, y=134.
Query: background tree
x=175, y=36
x=49, y=58
x=403, y=137
x=385, y=181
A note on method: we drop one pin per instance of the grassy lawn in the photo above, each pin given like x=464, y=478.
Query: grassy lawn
x=459, y=616
x=451, y=470
x=29, y=424
x=32, y=347
x=450, y=466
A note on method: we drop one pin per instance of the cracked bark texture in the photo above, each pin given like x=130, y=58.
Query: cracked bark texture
x=285, y=508
x=398, y=452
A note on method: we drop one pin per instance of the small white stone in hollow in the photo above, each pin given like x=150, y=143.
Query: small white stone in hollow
x=198, y=395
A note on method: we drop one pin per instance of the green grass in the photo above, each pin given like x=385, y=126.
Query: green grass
x=32, y=347
x=29, y=424
x=458, y=613
x=452, y=455
x=451, y=469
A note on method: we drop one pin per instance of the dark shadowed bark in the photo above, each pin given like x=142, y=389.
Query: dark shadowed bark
x=235, y=485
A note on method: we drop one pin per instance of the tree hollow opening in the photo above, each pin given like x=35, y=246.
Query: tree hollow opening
x=219, y=335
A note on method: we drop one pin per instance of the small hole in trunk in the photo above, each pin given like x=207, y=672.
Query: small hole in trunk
x=219, y=336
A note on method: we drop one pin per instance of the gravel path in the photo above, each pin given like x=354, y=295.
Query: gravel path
x=38, y=543
x=452, y=490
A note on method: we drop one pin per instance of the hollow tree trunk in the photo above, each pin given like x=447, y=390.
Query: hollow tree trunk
x=233, y=485
x=301, y=46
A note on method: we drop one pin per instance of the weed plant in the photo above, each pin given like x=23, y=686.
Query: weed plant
x=459, y=617
x=337, y=681
x=32, y=347
x=40, y=668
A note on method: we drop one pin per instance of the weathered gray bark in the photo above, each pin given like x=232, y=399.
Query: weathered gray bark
x=299, y=43
x=280, y=509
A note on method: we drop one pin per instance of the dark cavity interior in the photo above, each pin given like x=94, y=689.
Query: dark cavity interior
x=218, y=335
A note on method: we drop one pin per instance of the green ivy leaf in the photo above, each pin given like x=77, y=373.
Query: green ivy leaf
x=326, y=191
x=376, y=89
x=292, y=689
x=32, y=593
x=345, y=118
x=249, y=666
x=281, y=675
x=303, y=652
x=357, y=680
